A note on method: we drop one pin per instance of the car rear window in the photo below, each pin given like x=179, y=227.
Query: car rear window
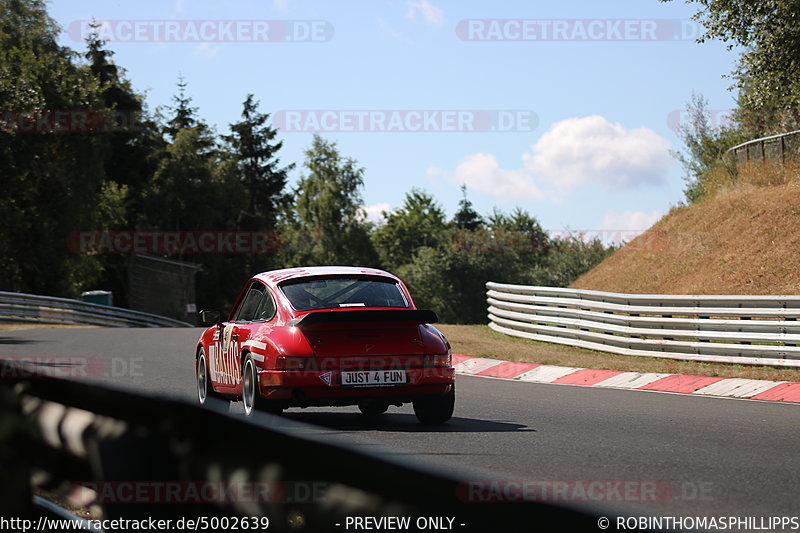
x=343, y=292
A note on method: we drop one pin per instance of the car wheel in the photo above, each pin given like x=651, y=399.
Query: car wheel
x=373, y=407
x=251, y=397
x=436, y=409
x=204, y=388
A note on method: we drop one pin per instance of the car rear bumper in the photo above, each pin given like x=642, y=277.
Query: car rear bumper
x=315, y=388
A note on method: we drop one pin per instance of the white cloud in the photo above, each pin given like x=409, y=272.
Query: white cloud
x=429, y=12
x=208, y=50
x=433, y=172
x=481, y=172
x=572, y=153
x=374, y=212
x=630, y=220
x=578, y=151
x=280, y=5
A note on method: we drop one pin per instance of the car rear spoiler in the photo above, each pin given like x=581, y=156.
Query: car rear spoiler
x=381, y=315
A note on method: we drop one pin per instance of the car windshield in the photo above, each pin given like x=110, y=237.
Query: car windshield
x=342, y=292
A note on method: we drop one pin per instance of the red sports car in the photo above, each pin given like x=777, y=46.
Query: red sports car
x=324, y=336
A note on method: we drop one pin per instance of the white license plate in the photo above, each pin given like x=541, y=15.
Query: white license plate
x=373, y=378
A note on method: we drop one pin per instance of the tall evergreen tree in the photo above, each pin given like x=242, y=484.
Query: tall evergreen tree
x=116, y=91
x=466, y=218
x=254, y=150
x=184, y=115
x=134, y=145
x=186, y=190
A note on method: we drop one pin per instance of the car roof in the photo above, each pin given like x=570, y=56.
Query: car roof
x=275, y=277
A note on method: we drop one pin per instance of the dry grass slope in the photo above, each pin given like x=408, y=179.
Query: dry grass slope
x=746, y=240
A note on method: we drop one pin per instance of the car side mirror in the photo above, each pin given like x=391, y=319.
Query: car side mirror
x=209, y=318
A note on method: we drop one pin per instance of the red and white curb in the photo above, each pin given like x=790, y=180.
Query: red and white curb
x=754, y=389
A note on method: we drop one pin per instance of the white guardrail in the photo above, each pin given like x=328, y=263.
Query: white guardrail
x=752, y=330
x=19, y=307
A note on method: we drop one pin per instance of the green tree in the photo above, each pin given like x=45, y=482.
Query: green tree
x=134, y=144
x=466, y=218
x=133, y=136
x=184, y=116
x=186, y=190
x=327, y=225
x=568, y=259
x=768, y=73
x=193, y=190
x=252, y=186
x=116, y=91
x=705, y=146
x=253, y=148
x=419, y=222
x=452, y=282
x=517, y=233
x=53, y=176
x=196, y=187
x=451, y=276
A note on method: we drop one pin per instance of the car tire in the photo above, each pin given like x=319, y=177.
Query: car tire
x=436, y=409
x=373, y=407
x=251, y=397
x=204, y=388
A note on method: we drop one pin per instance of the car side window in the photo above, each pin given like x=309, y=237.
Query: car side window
x=266, y=309
x=247, y=311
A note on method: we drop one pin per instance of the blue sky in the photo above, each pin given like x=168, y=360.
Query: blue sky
x=601, y=113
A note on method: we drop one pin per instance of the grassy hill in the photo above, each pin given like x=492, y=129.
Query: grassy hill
x=743, y=241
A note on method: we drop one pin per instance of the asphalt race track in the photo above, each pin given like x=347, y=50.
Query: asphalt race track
x=718, y=457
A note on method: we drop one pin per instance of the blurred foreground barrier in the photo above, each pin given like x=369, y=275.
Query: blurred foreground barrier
x=135, y=457
x=754, y=330
x=19, y=307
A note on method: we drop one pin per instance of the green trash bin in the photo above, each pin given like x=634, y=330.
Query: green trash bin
x=98, y=297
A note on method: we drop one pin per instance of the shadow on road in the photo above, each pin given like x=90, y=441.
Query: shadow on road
x=15, y=340
x=402, y=422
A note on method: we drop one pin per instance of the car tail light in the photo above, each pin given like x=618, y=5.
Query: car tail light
x=293, y=363
x=438, y=361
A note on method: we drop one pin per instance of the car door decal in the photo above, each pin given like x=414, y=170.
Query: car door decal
x=213, y=355
x=226, y=370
